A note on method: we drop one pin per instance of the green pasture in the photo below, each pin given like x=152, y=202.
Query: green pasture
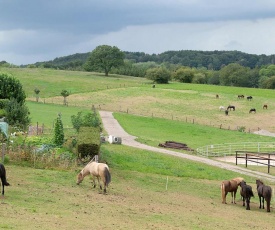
x=51, y=82
x=148, y=191
x=187, y=113
x=159, y=130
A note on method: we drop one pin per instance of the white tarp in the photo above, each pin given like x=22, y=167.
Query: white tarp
x=4, y=127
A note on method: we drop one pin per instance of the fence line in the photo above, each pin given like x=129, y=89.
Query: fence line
x=229, y=149
x=148, y=113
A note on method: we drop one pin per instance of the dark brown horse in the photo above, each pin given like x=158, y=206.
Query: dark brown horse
x=265, y=106
x=230, y=186
x=249, y=98
x=3, y=178
x=231, y=107
x=252, y=110
x=246, y=194
x=264, y=193
x=240, y=96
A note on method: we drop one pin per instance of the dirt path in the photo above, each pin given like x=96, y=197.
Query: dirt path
x=113, y=128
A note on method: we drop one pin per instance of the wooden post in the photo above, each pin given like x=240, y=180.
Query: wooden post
x=236, y=157
x=246, y=160
x=268, y=162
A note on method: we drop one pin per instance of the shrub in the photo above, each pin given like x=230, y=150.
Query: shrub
x=88, y=143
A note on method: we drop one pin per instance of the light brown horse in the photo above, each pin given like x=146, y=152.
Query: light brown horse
x=230, y=186
x=97, y=170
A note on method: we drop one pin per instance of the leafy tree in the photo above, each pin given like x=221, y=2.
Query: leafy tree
x=104, y=58
x=65, y=94
x=17, y=114
x=234, y=75
x=184, y=74
x=58, y=131
x=199, y=78
x=158, y=75
x=267, y=71
x=85, y=120
x=11, y=88
x=270, y=83
x=36, y=91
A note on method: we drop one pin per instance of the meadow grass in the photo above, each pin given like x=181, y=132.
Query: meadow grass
x=148, y=191
x=159, y=130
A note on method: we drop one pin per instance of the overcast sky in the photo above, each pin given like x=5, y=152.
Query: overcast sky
x=41, y=30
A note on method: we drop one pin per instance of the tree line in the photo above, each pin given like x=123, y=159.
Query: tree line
x=230, y=68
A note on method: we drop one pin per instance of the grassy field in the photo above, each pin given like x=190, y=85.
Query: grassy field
x=193, y=103
x=148, y=191
x=137, y=197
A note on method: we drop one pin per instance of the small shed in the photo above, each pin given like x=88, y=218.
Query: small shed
x=114, y=140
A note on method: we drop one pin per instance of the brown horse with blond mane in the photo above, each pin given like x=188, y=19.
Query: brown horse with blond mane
x=230, y=186
x=97, y=170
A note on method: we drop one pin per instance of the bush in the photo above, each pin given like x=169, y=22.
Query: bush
x=85, y=120
x=88, y=143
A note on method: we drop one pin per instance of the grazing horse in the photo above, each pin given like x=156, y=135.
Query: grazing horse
x=252, y=110
x=97, y=170
x=265, y=106
x=264, y=192
x=246, y=194
x=3, y=178
x=226, y=112
x=231, y=107
x=217, y=96
x=249, y=98
x=230, y=186
x=240, y=96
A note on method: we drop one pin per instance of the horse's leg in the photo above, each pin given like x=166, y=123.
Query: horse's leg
x=225, y=197
x=268, y=204
x=260, y=199
x=235, y=196
x=99, y=182
x=247, y=203
x=263, y=202
x=93, y=177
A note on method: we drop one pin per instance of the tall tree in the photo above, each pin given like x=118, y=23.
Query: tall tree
x=65, y=94
x=158, y=75
x=104, y=58
x=58, y=131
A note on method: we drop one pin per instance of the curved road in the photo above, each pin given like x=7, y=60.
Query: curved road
x=113, y=128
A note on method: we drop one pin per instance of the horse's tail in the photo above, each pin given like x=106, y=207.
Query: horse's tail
x=107, y=176
x=3, y=175
x=223, y=192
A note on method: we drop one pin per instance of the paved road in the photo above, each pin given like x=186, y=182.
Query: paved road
x=113, y=128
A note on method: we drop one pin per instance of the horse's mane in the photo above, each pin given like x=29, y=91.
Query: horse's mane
x=238, y=179
x=260, y=182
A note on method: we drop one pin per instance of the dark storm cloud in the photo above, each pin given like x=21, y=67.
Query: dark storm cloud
x=36, y=30
x=100, y=16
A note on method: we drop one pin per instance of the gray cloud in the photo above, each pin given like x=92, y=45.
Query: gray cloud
x=42, y=30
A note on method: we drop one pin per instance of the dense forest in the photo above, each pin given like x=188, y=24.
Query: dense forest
x=211, y=60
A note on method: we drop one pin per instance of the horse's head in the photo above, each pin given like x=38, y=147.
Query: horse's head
x=79, y=178
x=242, y=183
x=259, y=182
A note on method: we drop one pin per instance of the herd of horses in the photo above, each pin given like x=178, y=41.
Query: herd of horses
x=101, y=172
x=264, y=192
x=232, y=107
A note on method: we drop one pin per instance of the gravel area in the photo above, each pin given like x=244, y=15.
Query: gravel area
x=113, y=128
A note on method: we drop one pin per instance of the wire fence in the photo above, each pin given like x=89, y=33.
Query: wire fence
x=229, y=149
